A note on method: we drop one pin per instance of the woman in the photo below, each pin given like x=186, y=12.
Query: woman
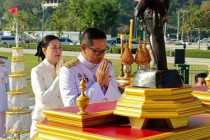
x=44, y=78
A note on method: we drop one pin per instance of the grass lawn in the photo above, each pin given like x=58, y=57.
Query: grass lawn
x=32, y=61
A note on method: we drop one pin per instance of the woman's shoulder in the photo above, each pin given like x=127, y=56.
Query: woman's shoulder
x=40, y=66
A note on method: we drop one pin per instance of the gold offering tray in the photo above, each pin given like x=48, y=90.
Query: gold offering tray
x=99, y=113
x=204, y=97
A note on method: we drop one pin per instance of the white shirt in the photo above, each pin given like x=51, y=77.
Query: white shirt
x=4, y=83
x=45, y=85
x=70, y=83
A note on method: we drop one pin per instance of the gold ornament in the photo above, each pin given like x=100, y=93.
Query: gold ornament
x=82, y=100
x=127, y=57
x=140, y=57
x=148, y=57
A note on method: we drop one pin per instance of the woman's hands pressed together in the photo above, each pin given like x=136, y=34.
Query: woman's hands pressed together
x=58, y=67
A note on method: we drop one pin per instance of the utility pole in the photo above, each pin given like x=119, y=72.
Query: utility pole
x=43, y=22
x=182, y=23
x=46, y=4
x=177, y=35
x=17, y=37
x=182, y=30
x=165, y=29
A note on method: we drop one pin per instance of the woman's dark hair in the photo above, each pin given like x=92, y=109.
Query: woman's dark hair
x=44, y=44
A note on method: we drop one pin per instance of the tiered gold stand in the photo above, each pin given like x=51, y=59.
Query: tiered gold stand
x=18, y=115
x=174, y=105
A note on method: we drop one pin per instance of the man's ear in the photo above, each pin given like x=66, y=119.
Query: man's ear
x=83, y=48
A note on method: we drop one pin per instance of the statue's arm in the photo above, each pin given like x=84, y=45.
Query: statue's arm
x=140, y=8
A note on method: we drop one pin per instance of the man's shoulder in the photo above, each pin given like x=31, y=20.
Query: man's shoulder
x=72, y=63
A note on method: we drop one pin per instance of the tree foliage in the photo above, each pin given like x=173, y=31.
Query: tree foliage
x=59, y=21
x=103, y=15
x=125, y=15
x=112, y=16
x=77, y=13
x=197, y=18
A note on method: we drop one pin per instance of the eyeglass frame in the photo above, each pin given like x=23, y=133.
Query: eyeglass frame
x=98, y=52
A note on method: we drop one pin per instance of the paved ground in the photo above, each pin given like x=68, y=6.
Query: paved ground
x=195, y=61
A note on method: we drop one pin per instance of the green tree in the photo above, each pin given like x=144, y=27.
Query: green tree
x=175, y=7
x=103, y=15
x=26, y=22
x=59, y=20
x=77, y=13
x=125, y=15
x=197, y=18
x=26, y=5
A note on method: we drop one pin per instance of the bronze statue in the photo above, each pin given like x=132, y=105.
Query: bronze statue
x=153, y=13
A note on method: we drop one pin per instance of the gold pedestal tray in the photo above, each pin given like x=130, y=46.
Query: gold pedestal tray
x=174, y=105
x=204, y=96
x=198, y=128
x=124, y=81
x=99, y=113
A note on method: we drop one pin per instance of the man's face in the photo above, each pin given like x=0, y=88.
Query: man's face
x=201, y=81
x=96, y=52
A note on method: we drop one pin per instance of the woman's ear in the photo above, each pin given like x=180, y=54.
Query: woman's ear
x=44, y=51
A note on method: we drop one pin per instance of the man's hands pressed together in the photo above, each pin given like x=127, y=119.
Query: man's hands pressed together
x=102, y=74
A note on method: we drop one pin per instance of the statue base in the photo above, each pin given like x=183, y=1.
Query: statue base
x=157, y=79
x=174, y=105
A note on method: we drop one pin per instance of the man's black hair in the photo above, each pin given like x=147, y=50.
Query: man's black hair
x=200, y=75
x=90, y=34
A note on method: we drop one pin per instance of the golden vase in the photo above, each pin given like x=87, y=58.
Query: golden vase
x=82, y=100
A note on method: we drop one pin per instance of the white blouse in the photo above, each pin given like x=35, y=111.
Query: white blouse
x=45, y=85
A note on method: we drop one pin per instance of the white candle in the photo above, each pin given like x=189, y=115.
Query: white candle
x=121, y=45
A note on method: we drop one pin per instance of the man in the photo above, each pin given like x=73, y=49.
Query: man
x=92, y=66
x=200, y=79
x=4, y=88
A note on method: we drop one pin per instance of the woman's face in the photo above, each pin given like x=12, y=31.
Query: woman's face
x=53, y=51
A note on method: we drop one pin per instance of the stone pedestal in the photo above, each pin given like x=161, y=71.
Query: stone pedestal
x=157, y=79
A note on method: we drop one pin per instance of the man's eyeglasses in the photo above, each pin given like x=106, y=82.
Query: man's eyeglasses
x=99, y=52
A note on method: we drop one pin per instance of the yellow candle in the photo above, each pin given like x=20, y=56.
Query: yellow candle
x=121, y=44
x=131, y=34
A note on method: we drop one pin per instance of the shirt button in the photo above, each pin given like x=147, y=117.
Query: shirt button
x=90, y=64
